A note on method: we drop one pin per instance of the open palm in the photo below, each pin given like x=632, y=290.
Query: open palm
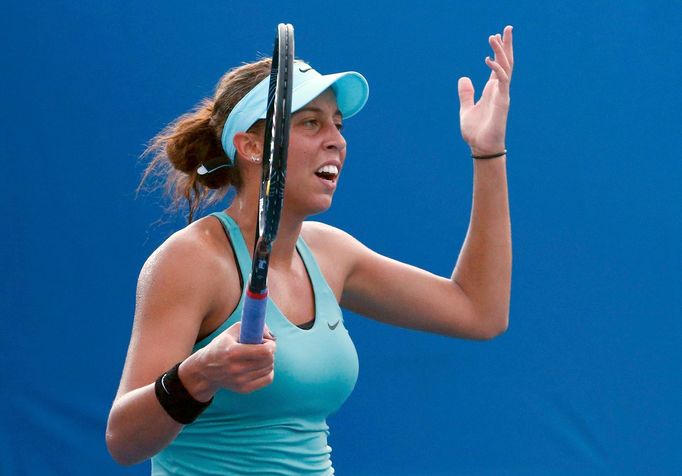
x=484, y=123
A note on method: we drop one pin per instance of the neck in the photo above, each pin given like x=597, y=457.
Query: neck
x=244, y=210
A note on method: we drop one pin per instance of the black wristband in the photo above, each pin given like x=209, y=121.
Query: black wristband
x=176, y=400
x=491, y=156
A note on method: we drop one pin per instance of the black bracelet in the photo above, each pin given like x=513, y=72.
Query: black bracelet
x=176, y=400
x=492, y=156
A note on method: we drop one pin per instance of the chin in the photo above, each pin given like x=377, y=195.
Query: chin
x=321, y=207
x=317, y=207
x=306, y=205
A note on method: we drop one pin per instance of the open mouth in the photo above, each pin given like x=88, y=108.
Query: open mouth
x=328, y=172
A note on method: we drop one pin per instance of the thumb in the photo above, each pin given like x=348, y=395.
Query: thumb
x=234, y=330
x=466, y=93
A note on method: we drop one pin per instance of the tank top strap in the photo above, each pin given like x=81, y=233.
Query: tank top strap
x=238, y=244
x=323, y=292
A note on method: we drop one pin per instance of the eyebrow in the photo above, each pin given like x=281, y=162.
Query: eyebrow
x=317, y=110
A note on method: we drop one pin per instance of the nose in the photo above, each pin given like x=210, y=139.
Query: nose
x=334, y=139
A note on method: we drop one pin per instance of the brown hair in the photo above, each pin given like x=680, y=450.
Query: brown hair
x=193, y=138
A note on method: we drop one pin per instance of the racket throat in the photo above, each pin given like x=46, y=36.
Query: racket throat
x=258, y=296
x=261, y=263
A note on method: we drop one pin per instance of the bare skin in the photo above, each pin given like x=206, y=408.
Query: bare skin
x=190, y=284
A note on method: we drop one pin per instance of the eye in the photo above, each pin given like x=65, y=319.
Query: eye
x=339, y=126
x=310, y=122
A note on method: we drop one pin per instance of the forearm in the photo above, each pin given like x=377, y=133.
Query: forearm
x=139, y=427
x=484, y=265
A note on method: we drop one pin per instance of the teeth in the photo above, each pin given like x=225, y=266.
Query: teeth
x=328, y=169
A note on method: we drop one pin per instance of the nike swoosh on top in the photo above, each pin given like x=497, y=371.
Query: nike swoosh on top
x=333, y=326
x=305, y=70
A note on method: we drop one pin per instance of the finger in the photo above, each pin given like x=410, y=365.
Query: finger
x=258, y=383
x=500, y=55
x=255, y=370
x=270, y=346
x=507, y=42
x=266, y=350
x=499, y=71
x=251, y=353
x=267, y=333
x=260, y=372
x=465, y=90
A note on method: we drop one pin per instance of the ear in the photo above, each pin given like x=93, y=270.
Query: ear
x=248, y=144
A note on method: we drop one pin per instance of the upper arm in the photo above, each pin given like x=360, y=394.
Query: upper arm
x=404, y=295
x=397, y=293
x=175, y=291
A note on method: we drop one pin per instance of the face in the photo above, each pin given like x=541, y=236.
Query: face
x=317, y=151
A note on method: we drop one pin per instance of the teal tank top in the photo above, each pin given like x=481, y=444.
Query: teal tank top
x=280, y=429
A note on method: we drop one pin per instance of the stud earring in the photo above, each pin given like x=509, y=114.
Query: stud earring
x=255, y=159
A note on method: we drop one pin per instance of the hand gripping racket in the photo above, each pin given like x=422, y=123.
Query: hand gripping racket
x=275, y=148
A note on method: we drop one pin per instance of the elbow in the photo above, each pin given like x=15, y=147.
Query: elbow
x=494, y=327
x=117, y=452
x=116, y=445
x=114, y=449
x=119, y=455
x=499, y=329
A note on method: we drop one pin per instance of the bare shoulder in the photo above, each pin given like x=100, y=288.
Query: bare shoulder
x=335, y=250
x=192, y=250
x=185, y=266
x=327, y=238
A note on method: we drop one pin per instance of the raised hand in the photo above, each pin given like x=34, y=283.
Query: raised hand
x=484, y=123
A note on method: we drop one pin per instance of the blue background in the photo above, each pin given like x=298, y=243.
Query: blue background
x=586, y=380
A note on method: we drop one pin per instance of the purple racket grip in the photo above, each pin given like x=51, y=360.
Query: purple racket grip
x=253, y=318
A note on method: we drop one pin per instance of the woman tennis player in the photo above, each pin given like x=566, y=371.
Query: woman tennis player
x=191, y=396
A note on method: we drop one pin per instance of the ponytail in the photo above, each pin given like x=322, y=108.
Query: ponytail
x=194, y=138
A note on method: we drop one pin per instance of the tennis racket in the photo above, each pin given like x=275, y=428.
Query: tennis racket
x=275, y=147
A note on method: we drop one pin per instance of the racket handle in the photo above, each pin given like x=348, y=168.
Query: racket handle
x=253, y=318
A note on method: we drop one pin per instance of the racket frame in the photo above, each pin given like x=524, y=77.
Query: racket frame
x=271, y=201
